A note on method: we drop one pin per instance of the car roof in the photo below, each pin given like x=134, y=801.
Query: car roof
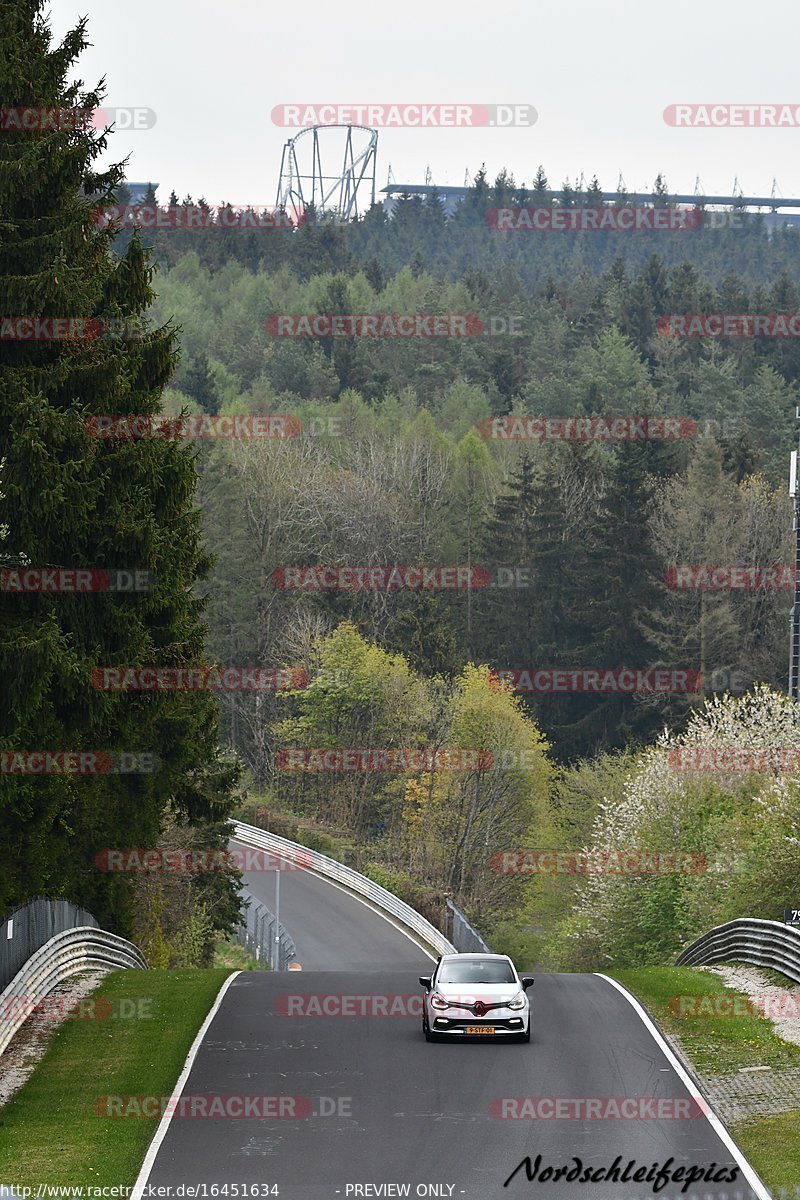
x=475, y=957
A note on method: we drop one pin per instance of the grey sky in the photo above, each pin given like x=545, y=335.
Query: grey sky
x=599, y=75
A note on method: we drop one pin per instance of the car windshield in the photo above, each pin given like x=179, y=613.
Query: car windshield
x=477, y=971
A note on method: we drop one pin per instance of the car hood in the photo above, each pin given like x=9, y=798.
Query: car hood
x=490, y=993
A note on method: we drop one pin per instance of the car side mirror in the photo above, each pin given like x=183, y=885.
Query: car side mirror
x=527, y=981
x=426, y=981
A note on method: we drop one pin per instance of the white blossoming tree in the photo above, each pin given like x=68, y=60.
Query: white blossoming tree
x=743, y=826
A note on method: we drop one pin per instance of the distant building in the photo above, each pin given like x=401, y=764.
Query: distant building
x=780, y=211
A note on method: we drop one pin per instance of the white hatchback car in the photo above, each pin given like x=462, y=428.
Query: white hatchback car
x=476, y=995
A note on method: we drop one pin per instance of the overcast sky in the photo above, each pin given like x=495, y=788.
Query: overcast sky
x=599, y=75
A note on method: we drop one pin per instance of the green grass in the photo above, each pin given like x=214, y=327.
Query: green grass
x=233, y=956
x=719, y=1044
x=714, y=1044
x=772, y=1146
x=50, y=1132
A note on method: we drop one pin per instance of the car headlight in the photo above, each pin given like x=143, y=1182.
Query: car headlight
x=438, y=1001
x=517, y=1001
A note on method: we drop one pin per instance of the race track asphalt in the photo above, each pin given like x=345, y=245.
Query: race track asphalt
x=370, y=1109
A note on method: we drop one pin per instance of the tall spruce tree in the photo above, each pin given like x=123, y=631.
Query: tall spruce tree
x=627, y=583
x=75, y=500
x=565, y=606
x=544, y=526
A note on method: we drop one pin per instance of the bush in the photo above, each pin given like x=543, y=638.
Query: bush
x=427, y=901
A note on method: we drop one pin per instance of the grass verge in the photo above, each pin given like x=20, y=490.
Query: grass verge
x=50, y=1132
x=772, y=1146
x=233, y=956
x=718, y=1044
x=714, y=1044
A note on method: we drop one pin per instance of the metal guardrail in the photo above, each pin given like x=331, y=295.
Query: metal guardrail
x=328, y=868
x=464, y=936
x=762, y=943
x=257, y=933
x=65, y=955
x=25, y=928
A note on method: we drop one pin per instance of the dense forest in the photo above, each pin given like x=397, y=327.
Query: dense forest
x=579, y=555
x=401, y=458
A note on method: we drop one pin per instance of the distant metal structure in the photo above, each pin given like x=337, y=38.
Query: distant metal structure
x=780, y=210
x=308, y=176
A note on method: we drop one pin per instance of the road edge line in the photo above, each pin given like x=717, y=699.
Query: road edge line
x=756, y=1182
x=161, y=1132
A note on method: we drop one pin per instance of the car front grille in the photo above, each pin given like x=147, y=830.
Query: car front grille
x=511, y=1024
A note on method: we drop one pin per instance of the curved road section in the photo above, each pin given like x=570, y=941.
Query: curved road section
x=331, y=928
x=318, y=1085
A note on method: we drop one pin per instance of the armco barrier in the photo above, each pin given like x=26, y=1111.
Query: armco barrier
x=25, y=928
x=750, y=940
x=65, y=955
x=311, y=860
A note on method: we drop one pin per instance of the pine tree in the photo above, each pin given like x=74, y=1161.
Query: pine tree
x=502, y=617
x=594, y=194
x=627, y=582
x=531, y=540
x=541, y=188
x=198, y=382
x=75, y=500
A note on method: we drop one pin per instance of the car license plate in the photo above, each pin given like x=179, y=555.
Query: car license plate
x=479, y=1029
